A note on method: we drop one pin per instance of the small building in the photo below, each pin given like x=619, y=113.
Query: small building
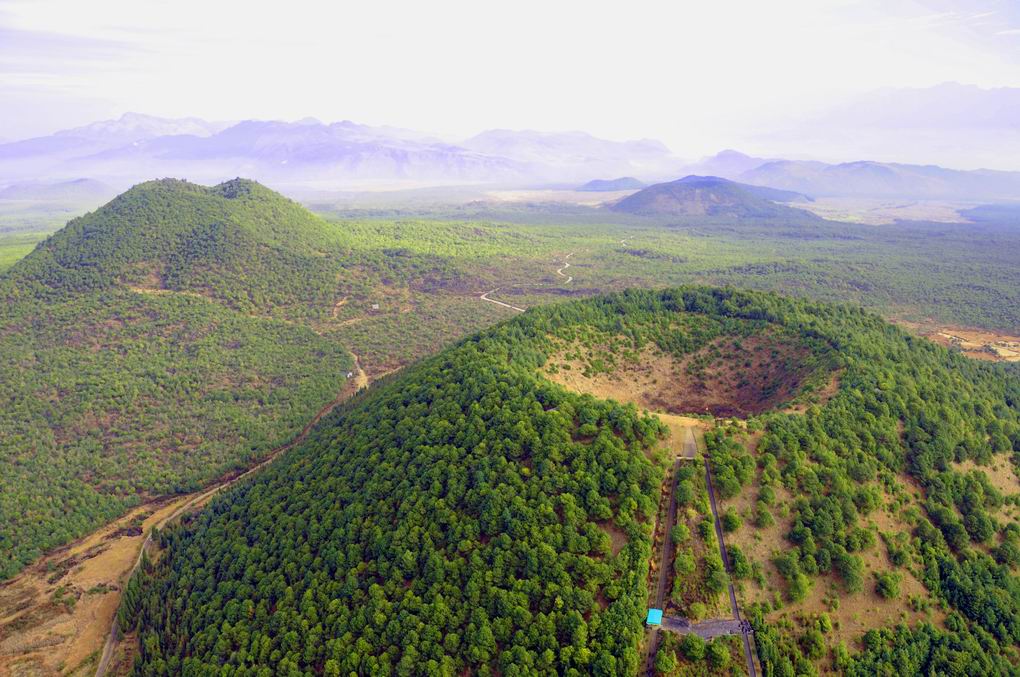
x=654, y=617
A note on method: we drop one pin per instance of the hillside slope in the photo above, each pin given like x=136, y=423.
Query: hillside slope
x=138, y=355
x=237, y=243
x=608, y=185
x=459, y=518
x=77, y=191
x=712, y=196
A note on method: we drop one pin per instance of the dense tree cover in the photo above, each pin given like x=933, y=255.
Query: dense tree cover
x=890, y=270
x=236, y=242
x=324, y=561
x=450, y=519
x=110, y=396
x=173, y=335
x=692, y=656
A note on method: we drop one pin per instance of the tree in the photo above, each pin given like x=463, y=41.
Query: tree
x=665, y=662
x=730, y=520
x=693, y=647
x=718, y=654
x=887, y=584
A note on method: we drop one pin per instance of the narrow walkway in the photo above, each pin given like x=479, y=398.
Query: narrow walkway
x=566, y=265
x=745, y=628
x=665, y=563
x=559, y=271
x=709, y=629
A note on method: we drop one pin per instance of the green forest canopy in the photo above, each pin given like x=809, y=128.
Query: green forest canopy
x=132, y=365
x=452, y=517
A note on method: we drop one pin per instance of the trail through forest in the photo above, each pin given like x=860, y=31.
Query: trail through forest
x=358, y=381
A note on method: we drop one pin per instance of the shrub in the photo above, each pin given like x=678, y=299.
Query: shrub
x=731, y=520
x=887, y=584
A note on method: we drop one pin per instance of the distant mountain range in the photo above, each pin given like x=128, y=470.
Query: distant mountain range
x=864, y=178
x=578, y=154
x=950, y=124
x=309, y=152
x=77, y=190
x=714, y=197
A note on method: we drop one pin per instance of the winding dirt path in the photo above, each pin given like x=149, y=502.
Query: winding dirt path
x=485, y=297
x=566, y=264
x=559, y=271
x=358, y=381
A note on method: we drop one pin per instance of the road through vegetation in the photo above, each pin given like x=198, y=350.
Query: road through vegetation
x=358, y=381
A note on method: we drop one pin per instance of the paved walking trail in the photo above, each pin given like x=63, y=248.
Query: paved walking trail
x=707, y=629
x=745, y=629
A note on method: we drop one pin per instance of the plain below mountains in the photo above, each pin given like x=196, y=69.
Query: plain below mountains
x=74, y=191
x=712, y=196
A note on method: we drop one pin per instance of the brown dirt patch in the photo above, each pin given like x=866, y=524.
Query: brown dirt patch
x=856, y=613
x=1000, y=474
x=978, y=344
x=681, y=431
x=617, y=538
x=727, y=378
x=818, y=396
x=39, y=635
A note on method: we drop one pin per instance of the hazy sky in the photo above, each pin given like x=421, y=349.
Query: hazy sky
x=697, y=75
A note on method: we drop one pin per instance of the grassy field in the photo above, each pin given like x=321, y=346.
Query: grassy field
x=924, y=272
x=15, y=246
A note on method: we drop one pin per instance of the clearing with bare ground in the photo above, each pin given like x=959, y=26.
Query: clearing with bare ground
x=851, y=614
x=728, y=377
x=54, y=615
x=978, y=344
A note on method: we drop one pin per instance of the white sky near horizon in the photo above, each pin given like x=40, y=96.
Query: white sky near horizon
x=699, y=76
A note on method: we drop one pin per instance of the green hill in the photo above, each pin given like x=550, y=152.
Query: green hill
x=470, y=516
x=238, y=243
x=139, y=354
x=710, y=196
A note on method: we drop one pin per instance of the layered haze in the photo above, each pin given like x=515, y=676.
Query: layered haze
x=834, y=81
x=312, y=155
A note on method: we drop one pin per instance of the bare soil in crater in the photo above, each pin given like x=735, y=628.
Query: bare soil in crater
x=730, y=377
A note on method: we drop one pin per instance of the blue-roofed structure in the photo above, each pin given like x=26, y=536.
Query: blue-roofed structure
x=654, y=617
